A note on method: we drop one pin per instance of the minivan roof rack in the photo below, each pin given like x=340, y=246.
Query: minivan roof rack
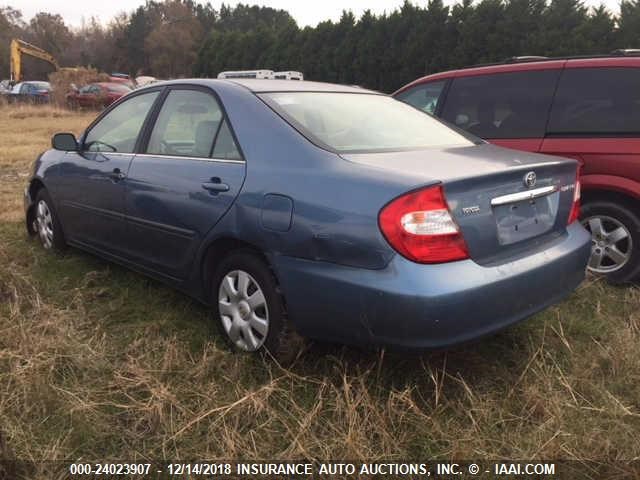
x=626, y=52
x=524, y=58
x=622, y=52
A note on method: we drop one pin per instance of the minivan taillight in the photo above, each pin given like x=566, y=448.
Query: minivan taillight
x=575, y=206
x=419, y=226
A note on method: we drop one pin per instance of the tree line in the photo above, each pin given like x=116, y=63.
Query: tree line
x=174, y=38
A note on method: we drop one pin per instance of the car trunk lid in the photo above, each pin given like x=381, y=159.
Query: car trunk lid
x=505, y=202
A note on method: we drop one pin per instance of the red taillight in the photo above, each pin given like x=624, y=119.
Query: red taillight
x=575, y=207
x=419, y=226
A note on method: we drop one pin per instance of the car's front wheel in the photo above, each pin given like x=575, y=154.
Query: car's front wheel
x=249, y=308
x=46, y=224
x=615, y=240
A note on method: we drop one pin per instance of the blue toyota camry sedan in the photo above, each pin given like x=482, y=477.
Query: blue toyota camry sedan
x=314, y=210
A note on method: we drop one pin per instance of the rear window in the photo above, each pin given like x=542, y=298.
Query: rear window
x=597, y=101
x=353, y=122
x=502, y=105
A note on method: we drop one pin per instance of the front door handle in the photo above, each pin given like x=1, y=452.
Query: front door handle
x=117, y=175
x=215, y=185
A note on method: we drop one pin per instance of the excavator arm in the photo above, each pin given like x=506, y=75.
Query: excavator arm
x=19, y=48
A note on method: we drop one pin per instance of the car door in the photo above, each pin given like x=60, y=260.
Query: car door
x=27, y=92
x=187, y=177
x=84, y=95
x=508, y=109
x=91, y=193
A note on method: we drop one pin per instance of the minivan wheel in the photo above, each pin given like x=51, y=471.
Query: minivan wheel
x=46, y=223
x=249, y=308
x=615, y=240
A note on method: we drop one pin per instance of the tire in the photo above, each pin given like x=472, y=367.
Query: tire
x=251, y=326
x=46, y=223
x=615, y=248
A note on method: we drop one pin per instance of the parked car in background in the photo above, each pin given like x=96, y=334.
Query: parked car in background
x=31, y=92
x=372, y=222
x=582, y=108
x=123, y=79
x=97, y=95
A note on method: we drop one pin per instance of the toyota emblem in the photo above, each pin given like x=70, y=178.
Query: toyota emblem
x=530, y=179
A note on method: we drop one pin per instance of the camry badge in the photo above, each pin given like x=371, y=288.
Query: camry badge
x=472, y=210
x=530, y=179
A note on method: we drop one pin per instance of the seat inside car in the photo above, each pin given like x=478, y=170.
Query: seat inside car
x=205, y=133
x=486, y=122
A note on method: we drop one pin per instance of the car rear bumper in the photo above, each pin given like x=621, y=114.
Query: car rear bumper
x=429, y=306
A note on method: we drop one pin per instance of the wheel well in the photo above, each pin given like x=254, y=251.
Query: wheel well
x=218, y=250
x=34, y=187
x=610, y=196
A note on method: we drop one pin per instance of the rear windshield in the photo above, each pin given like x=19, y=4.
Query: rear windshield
x=358, y=122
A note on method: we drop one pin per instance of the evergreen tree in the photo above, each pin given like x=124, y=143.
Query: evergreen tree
x=628, y=34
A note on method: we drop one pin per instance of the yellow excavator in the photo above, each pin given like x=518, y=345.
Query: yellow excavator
x=19, y=48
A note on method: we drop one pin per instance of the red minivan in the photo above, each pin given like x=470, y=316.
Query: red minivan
x=582, y=108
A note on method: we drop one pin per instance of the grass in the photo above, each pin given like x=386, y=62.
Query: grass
x=98, y=362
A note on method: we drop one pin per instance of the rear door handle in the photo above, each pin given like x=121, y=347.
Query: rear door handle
x=215, y=186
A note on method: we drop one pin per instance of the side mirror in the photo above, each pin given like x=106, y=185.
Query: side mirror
x=65, y=141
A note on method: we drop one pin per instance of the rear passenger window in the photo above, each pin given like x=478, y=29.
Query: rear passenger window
x=503, y=105
x=187, y=125
x=225, y=144
x=597, y=101
x=424, y=97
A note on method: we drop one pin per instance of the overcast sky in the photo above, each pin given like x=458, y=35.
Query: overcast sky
x=305, y=12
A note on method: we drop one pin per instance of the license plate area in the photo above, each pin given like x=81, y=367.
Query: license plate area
x=520, y=220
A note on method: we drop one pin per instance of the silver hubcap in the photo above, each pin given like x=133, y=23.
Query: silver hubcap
x=243, y=310
x=611, y=244
x=44, y=224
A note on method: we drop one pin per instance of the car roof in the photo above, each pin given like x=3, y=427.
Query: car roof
x=541, y=64
x=268, y=85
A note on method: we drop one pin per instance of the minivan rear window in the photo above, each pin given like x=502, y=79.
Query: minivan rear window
x=502, y=105
x=597, y=101
x=361, y=122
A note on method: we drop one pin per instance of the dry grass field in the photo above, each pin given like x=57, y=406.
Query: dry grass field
x=99, y=363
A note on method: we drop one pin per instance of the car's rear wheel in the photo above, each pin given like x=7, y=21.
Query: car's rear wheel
x=46, y=224
x=249, y=308
x=615, y=240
